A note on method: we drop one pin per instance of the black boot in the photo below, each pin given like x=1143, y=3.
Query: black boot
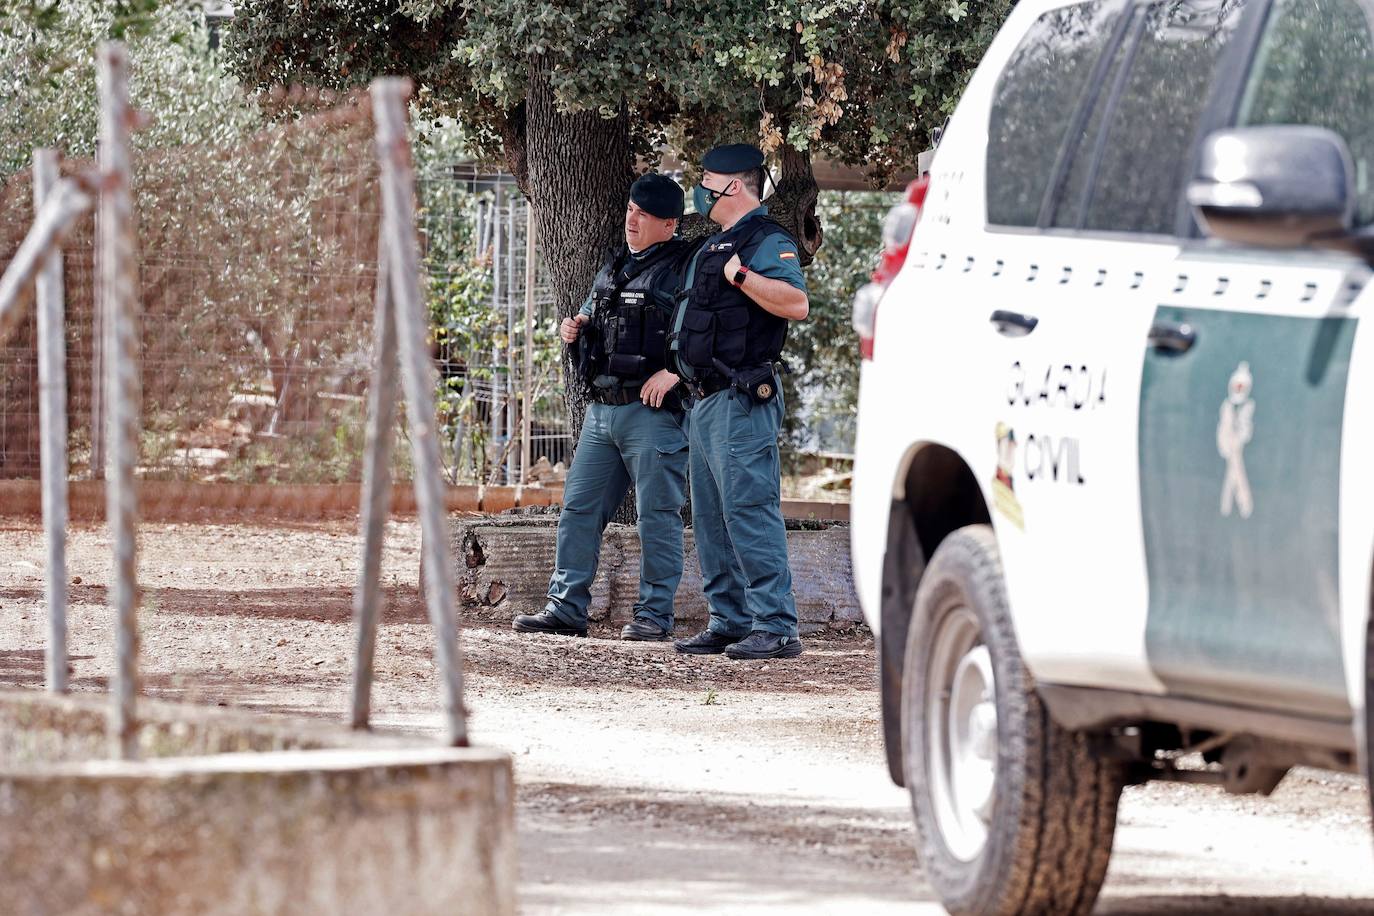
x=760, y=644
x=545, y=622
x=704, y=643
x=642, y=629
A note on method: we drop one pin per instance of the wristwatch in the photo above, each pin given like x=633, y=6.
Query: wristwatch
x=739, y=275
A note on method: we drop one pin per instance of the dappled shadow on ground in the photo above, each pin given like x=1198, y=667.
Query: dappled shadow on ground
x=597, y=849
x=22, y=666
x=633, y=850
x=860, y=836
x=1216, y=904
x=315, y=603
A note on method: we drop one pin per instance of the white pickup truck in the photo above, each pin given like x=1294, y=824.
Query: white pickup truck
x=1114, y=476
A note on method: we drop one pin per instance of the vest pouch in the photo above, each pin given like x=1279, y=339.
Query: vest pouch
x=759, y=383
x=732, y=338
x=629, y=337
x=591, y=352
x=697, y=340
x=626, y=366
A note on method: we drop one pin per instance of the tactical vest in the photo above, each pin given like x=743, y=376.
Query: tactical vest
x=720, y=322
x=631, y=314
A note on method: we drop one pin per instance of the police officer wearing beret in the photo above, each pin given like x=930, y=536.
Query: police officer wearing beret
x=635, y=426
x=741, y=290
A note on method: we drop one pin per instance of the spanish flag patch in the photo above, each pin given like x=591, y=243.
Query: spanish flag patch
x=787, y=254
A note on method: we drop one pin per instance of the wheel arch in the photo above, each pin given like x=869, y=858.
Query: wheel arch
x=934, y=493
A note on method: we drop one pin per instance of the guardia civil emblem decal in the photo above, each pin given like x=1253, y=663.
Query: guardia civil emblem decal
x=1235, y=428
x=1004, y=481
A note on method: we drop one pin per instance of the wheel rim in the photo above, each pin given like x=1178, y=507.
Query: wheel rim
x=961, y=734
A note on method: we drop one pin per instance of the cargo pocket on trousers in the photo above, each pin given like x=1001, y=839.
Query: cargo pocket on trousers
x=754, y=471
x=669, y=488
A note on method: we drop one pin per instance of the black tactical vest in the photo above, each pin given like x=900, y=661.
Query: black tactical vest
x=632, y=303
x=720, y=322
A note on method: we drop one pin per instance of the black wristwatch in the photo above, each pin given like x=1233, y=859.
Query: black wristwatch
x=739, y=275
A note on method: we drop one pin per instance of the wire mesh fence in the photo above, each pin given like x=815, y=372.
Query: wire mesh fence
x=488, y=303
x=257, y=269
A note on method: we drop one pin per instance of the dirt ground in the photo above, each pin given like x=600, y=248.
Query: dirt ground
x=650, y=782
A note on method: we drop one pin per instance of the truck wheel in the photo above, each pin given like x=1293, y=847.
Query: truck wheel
x=1369, y=711
x=1014, y=815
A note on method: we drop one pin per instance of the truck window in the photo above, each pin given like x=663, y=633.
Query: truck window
x=1172, y=56
x=1033, y=103
x=1315, y=65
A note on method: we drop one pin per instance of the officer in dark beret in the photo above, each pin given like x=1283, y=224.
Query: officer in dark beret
x=740, y=291
x=635, y=427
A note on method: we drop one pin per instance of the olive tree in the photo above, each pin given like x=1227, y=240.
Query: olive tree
x=575, y=96
x=47, y=76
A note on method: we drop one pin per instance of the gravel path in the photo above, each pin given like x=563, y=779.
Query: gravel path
x=650, y=782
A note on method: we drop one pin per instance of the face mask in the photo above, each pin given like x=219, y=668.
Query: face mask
x=704, y=198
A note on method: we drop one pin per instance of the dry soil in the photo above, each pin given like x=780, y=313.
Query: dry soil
x=650, y=782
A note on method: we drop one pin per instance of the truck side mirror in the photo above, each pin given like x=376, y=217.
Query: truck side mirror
x=1281, y=186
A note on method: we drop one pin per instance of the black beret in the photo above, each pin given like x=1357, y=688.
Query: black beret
x=733, y=159
x=657, y=195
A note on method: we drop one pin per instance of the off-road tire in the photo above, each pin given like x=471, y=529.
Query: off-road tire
x=1369, y=710
x=1054, y=813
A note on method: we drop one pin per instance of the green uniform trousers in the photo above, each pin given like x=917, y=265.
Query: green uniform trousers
x=737, y=517
x=620, y=445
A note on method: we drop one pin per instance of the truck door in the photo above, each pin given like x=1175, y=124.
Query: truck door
x=1242, y=405
x=1091, y=277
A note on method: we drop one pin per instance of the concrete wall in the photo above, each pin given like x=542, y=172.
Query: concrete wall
x=347, y=823
x=505, y=563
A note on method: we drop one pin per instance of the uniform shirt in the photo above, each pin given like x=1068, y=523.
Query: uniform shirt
x=774, y=255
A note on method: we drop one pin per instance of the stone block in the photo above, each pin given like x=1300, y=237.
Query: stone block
x=505, y=563
x=300, y=818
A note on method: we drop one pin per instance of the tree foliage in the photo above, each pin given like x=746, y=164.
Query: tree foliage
x=48, y=76
x=860, y=81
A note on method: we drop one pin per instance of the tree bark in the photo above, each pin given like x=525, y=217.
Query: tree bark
x=794, y=202
x=579, y=169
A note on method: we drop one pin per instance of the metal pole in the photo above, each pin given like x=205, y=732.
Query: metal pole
x=512, y=415
x=389, y=97
x=527, y=380
x=118, y=267
x=498, y=251
x=62, y=206
x=376, y=496
x=98, y=348
x=52, y=422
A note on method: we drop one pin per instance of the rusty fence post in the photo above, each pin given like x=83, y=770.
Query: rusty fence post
x=376, y=492
x=52, y=422
x=389, y=100
x=118, y=267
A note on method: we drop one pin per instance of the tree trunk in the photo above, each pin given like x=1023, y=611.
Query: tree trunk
x=794, y=202
x=579, y=173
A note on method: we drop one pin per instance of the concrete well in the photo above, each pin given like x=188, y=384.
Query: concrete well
x=234, y=813
x=504, y=564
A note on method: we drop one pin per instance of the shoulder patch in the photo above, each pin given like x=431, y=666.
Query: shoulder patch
x=787, y=254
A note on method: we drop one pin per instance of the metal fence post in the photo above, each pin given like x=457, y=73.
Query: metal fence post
x=527, y=383
x=118, y=268
x=376, y=495
x=389, y=99
x=52, y=422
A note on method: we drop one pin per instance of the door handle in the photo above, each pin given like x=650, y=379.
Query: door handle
x=1172, y=336
x=1013, y=324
